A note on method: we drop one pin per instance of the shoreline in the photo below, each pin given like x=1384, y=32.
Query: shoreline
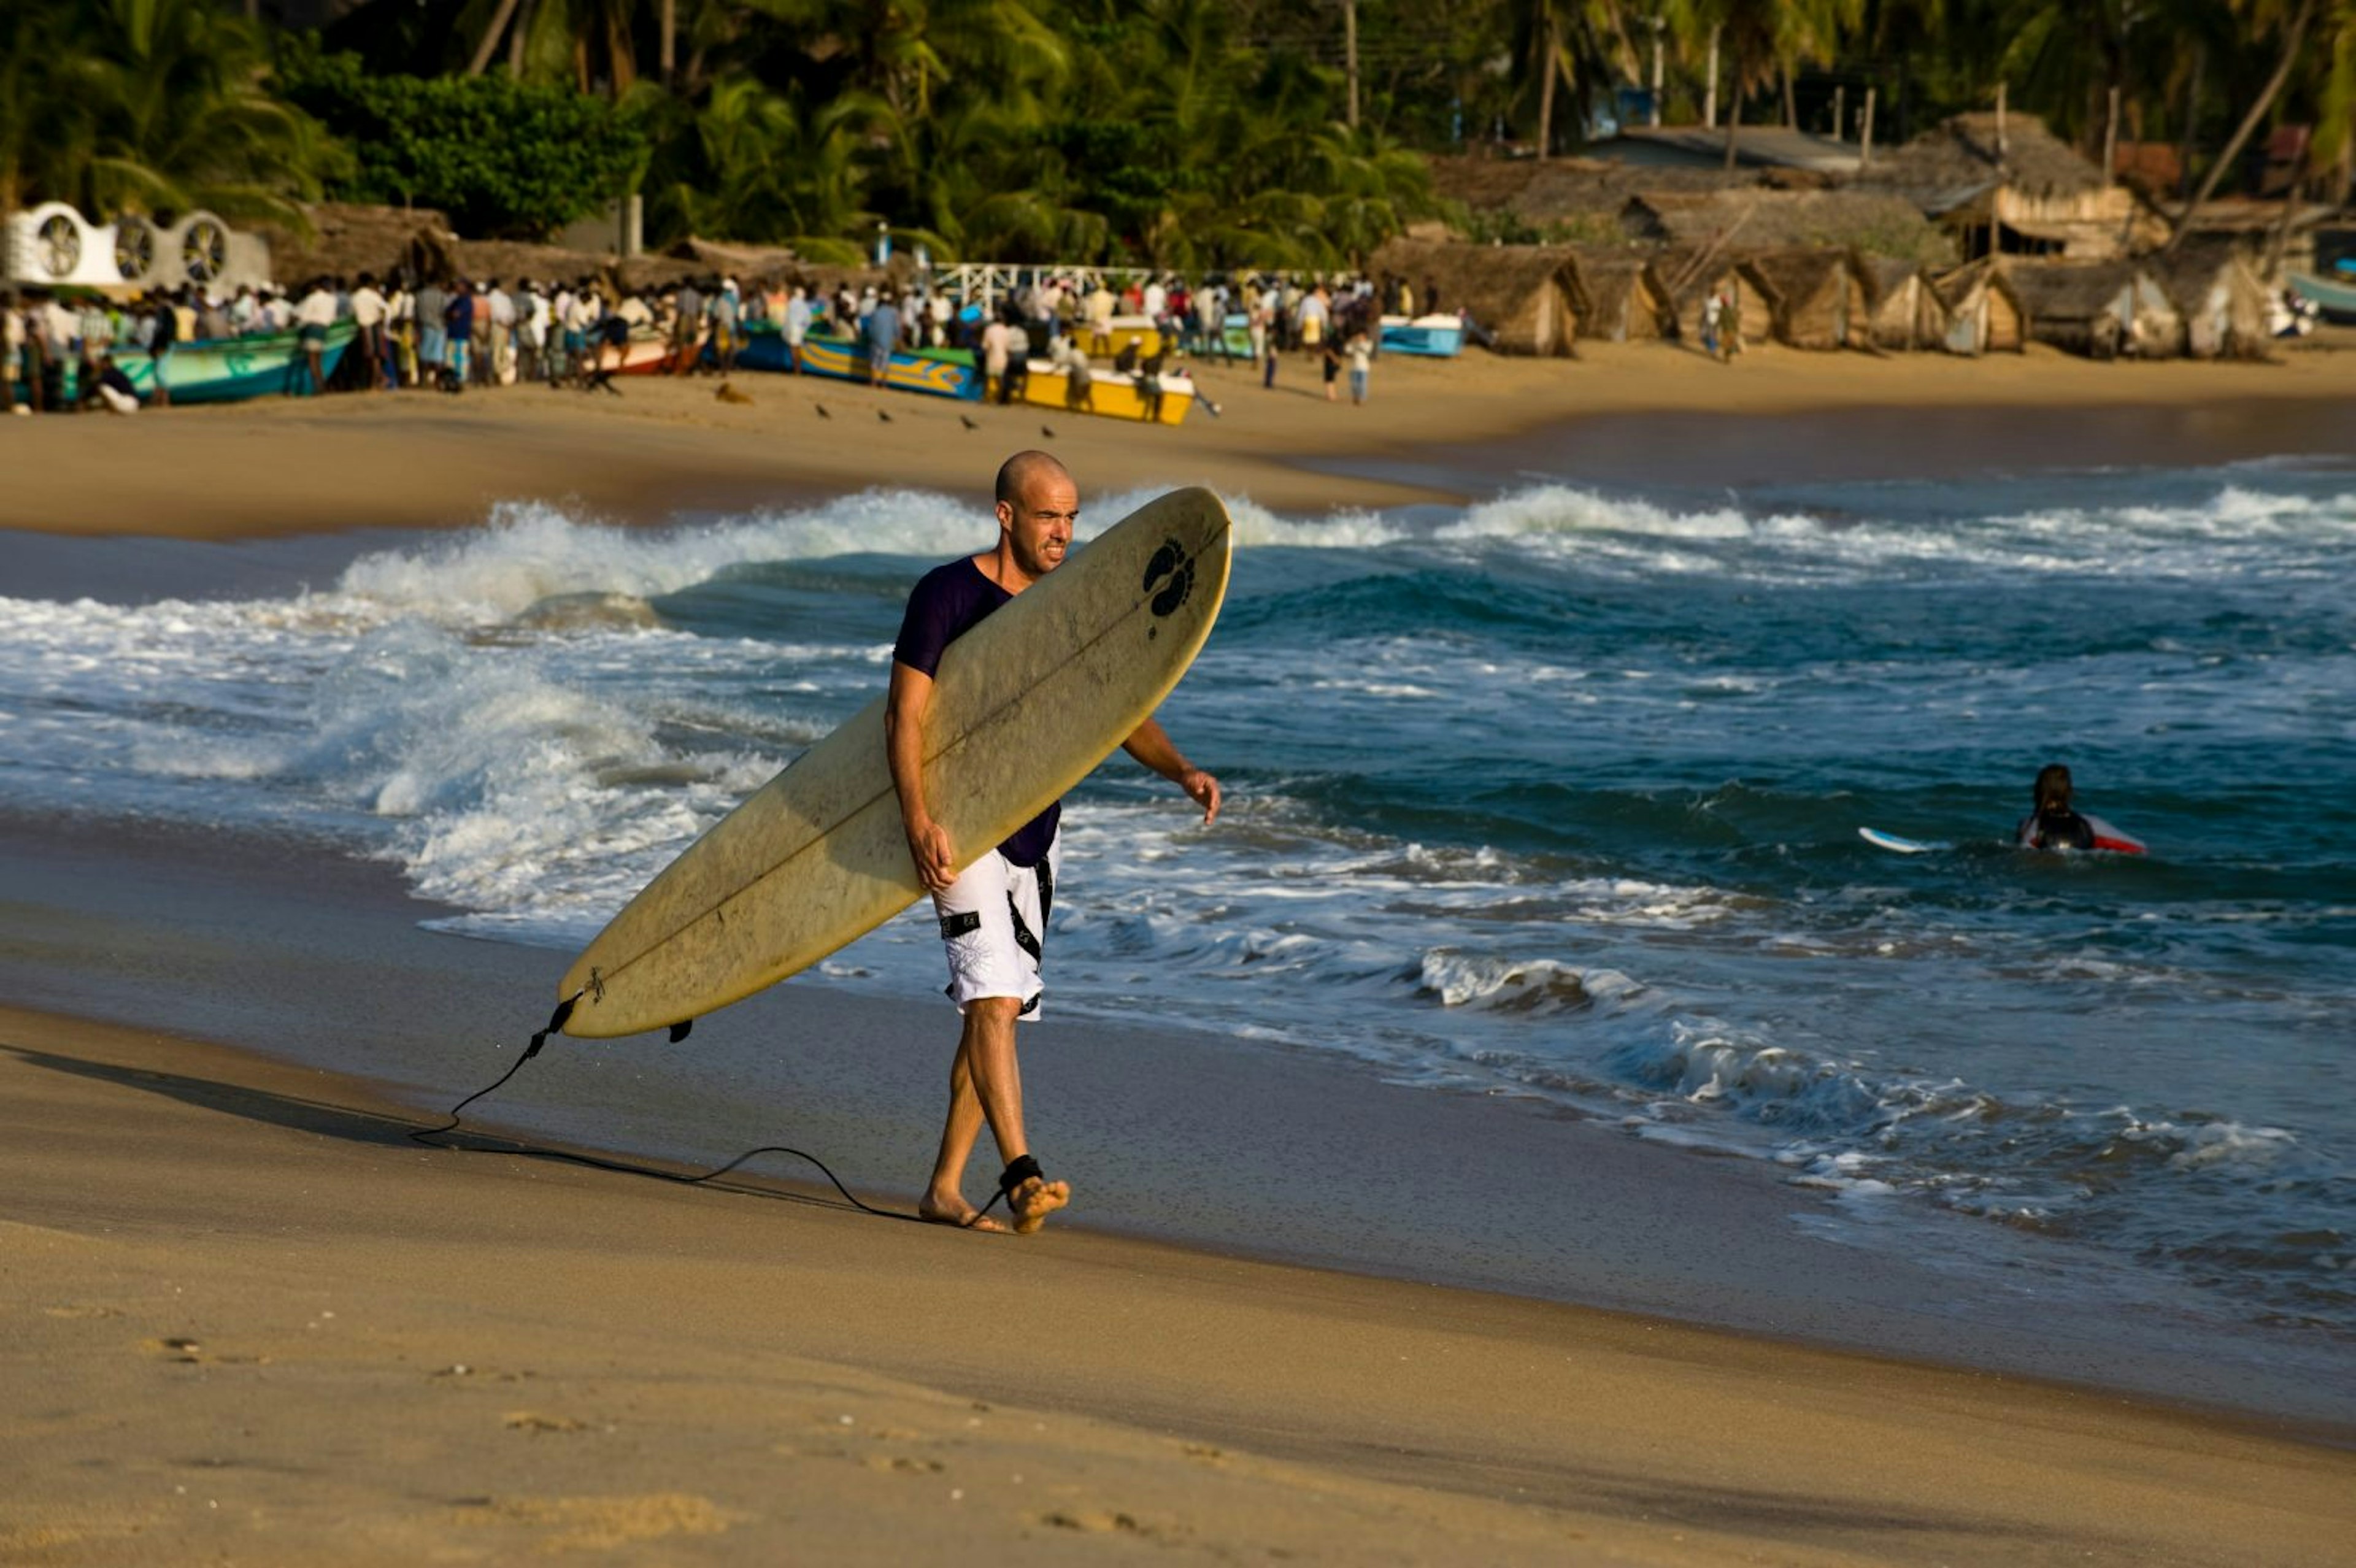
x=339, y=1343
x=1281, y=1156
x=1434, y=431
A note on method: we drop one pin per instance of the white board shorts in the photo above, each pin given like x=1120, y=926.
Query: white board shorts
x=994, y=925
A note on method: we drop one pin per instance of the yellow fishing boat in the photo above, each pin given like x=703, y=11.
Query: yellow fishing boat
x=1111, y=393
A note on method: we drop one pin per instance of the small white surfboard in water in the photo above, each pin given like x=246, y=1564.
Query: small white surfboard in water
x=1024, y=706
x=1880, y=840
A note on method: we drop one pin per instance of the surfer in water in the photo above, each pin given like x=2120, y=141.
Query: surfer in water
x=994, y=915
x=2056, y=825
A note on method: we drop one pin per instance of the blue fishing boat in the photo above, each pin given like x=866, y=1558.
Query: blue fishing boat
x=2335, y=299
x=939, y=372
x=1442, y=336
x=231, y=369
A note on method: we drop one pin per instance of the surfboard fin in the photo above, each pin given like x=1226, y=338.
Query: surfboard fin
x=679, y=1031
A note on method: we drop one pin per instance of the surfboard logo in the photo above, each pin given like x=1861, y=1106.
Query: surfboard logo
x=1172, y=562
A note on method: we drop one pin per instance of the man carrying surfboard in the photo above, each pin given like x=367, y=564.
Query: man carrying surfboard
x=994, y=914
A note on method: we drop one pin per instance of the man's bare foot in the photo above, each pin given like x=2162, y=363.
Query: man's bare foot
x=955, y=1211
x=1033, y=1198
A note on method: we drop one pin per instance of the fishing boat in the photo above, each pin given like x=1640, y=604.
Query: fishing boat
x=647, y=357
x=939, y=372
x=2334, y=298
x=230, y=369
x=1109, y=392
x=1442, y=336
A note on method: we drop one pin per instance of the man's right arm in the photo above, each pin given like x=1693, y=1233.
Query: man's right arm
x=904, y=747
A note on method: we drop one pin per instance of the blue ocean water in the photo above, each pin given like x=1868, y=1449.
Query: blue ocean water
x=1557, y=795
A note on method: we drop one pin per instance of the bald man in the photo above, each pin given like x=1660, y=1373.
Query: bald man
x=994, y=915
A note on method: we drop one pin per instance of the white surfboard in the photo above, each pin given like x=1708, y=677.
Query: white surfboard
x=1891, y=841
x=1024, y=706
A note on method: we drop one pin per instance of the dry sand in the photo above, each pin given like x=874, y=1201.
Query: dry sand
x=1431, y=430
x=247, y=1319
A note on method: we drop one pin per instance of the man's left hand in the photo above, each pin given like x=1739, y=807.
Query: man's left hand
x=1204, y=789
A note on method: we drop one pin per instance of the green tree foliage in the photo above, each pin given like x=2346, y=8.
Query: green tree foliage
x=150, y=106
x=502, y=157
x=1183, y=132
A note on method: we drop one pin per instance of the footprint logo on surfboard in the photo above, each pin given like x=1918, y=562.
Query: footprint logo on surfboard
x=1172, y=562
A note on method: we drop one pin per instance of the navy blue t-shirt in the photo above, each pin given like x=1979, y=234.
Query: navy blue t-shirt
x=948, y=601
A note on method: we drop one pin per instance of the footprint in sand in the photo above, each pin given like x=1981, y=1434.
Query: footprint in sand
x=532, y=1420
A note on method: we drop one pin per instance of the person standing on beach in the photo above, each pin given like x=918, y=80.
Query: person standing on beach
x=883, y=329
x=432, y=311
x=1361, y=352
x=994, y=914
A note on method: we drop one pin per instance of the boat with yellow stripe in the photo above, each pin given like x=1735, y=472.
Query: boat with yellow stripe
x=1112, y=393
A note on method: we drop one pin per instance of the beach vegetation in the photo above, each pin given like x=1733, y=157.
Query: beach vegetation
x=1194, y=133
x=152, y=107
x=504, y=157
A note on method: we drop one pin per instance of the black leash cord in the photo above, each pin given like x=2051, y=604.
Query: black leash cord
x=565, y=1010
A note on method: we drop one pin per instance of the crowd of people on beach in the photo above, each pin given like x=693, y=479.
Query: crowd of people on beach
x=66, y=352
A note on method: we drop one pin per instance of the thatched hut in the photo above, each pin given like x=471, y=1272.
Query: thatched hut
x=2003, y=183
x=1619, y=296
x=1819, y=297
x=1758, y=219
x=1693, y=276
x=347, y=240
x=1520, y=294
x=2219, y=299
x=2100, y=309
x=1905, y=312
x=1983, y=313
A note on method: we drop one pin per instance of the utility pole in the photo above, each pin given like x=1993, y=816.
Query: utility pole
x=1865, y=134
x=1659, y=23
x=1710, y=93
x=2111, y=143
x=1840, y=113
x=1349, y=53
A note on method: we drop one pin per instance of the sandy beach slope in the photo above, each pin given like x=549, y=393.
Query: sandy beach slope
x=247, y=1319
x=1432, y=430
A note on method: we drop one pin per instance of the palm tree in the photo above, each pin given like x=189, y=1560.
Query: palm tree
x=2294, y=31
x=161, y=105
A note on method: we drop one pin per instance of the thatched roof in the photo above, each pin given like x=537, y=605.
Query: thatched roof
x=1954, y=165
x=746, y=263
x=508, y=260
x=1559, y=188
x=347, y=240
x=1500, y=285
x=2069, y=291
x=1885, y=275
x=2197, y=267
x=1600, y=272
x=1878, y=222
x=1689, y=272
x=1797, y=274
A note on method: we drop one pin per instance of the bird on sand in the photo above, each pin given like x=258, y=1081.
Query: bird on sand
x=882, y=416
x=967, y=421
x=1048, y=431
x=821, y=411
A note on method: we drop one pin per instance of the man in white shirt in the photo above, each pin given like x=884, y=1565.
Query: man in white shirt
x=313, y=317
x=798, y=325
x=533, y=318
x=996, y=339
x=502, y=345
x=369, y=308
